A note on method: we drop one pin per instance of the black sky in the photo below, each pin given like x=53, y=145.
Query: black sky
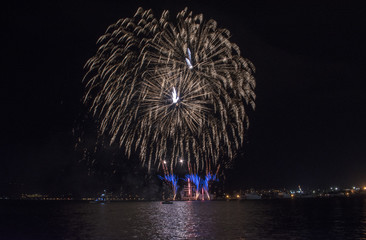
x=308, y=127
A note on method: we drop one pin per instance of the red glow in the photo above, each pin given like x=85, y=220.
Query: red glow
x=189, y=188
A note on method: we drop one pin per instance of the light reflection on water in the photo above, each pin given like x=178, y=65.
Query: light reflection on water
x=274, y=219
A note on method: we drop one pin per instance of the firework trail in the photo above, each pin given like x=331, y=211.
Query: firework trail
x=192, y=177
x=209, y=177
x=170, y=89
x=173, y=180
x=170, y=178
x=197, y=181
x=200, y=184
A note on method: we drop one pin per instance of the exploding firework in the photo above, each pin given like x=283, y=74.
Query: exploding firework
x=196, y=180
x=200, y=184
x=171, y=89
x=205, y=185
x=173, y=180
x=170, y=178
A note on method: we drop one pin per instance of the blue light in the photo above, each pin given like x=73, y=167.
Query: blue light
x=189, y=54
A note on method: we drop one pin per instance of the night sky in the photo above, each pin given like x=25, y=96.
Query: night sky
x=308, y=128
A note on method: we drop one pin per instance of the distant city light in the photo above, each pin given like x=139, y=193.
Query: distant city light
x=238, y=196
x=181, y=160
x=164, y=162
x=364, y=188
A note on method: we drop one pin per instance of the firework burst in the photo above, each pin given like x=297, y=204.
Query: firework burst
x=170, y=89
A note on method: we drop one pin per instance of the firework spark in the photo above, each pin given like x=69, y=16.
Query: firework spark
x=171, y=89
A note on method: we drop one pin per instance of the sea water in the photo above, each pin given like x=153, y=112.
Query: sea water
x=334, y=218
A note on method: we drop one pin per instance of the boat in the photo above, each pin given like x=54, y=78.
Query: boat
x=101, y=199
x=283, y=195
x=252, y=195
x=166, y=202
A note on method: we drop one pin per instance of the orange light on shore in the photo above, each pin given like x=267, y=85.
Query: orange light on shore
x=364, y=188
x=238, y=196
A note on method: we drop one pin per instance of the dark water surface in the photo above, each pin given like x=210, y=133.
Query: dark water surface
x=263, y=219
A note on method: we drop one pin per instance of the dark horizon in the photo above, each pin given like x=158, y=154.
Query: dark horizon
x=308, y=128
